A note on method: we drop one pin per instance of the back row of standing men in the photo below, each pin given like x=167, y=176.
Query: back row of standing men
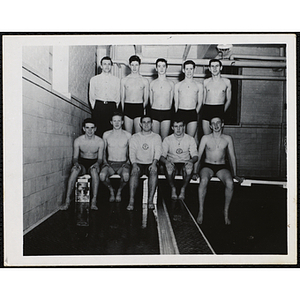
x=131, y=94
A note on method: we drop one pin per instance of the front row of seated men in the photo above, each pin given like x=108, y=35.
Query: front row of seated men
x=140, y=154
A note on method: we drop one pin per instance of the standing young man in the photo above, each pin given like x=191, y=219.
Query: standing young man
x=179, y=155
x=134, y=95
x=217, y=95
x=115, y=159
x=161, y=100
x=188, y=97
x=87, y=158
x=215, y=146
x=145, y=149
x=104, y=96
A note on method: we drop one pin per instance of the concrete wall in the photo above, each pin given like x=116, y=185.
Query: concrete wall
x=51, y=122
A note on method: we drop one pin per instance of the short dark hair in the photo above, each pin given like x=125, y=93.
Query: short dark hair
x=117, y=113
x=134, y=58
x=189, y=62
x=161, y=60
x=88, y=120
x=106, y=58
x=145, y=116
x=177, y=120
x=222, y=120
x=214, y=60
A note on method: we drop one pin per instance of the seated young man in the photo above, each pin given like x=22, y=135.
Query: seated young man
x=144, y=153
x=215, y=146
x=179, y=155
x=87, y=158
x=115, y=159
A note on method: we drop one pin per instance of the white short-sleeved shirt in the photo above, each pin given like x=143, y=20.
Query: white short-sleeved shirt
x=179, y=151
x=143, y=149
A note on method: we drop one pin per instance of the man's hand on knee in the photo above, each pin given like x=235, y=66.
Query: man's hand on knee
x=96, y=167
x=135, y=169
x=153, y=168
x=76, y=167
x=169, y=166
x=189, y=166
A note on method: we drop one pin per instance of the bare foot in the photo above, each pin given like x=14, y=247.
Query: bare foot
x=130, y=205
x=112, y=196
x=93, y=204
x=66, y=205
x=94, y=207
x=118, y=197
x=173, y=194
x=226, y=218
x=200, y=219
x=151, y=205
x=182, y=194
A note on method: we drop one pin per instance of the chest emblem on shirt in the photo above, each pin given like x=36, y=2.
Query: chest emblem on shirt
x=145, y=146
x=179, y=151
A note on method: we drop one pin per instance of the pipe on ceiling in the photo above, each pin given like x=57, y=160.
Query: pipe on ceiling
x=229, y=76
x=256, y=57
x=205, y=62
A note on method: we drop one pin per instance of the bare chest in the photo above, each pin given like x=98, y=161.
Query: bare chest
x=188, y=89
x=119, y=141
x=134, y=84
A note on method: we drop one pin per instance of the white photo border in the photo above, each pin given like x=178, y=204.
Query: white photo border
x=13, y=137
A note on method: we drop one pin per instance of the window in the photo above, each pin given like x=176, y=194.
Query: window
x=232, y=116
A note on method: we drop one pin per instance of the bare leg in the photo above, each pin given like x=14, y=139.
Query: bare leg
x=165, y=128
x=205, y=127
x=71, y=183
x=104, y=178
x=205, y=175
x=133, y=184
x=170, y=174
x=95, y=186
x=152, y=184
x=137, y=127
x=191, y=128
x=187, y=174
x=226, y=178
x=156, y=126
x=124, y=180
x=128, y=124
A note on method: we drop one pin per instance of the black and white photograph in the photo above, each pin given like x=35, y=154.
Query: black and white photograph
x=150, y=149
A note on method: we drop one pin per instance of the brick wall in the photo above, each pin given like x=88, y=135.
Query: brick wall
x=51, y=122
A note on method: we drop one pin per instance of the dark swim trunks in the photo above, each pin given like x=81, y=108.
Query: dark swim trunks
x=144, y=169
x=117, y=165
x=133, y=110
x=86, y=163
x=186, y=115
x=178, y=168
x=211, y=111
x=215, y=168
x=161, y=114
x=102, y=114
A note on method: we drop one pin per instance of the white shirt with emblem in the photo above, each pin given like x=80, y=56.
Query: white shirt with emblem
x=179, y=150
x=143, y=149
